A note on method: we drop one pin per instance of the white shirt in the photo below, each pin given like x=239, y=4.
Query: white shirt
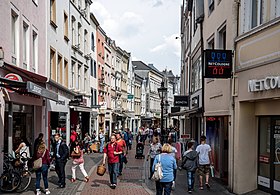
x=203, y=150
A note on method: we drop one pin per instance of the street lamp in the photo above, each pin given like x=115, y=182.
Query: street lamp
x=162, y=92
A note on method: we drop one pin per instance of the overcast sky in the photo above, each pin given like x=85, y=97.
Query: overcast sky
x=146, y=28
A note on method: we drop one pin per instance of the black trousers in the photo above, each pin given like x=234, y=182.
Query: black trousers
x=60, y=170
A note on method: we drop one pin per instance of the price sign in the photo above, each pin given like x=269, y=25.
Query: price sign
x=218, y=63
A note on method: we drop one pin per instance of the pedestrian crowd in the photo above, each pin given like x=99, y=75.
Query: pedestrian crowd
x=164, y=156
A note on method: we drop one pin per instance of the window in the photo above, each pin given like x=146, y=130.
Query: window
x=85, y=41
x=257, y=12
x=35, y=51
x=59, y=69
x=79, y=77
x=211, y=44
x=65, y=72
x=211, y=6
x=94, y=69
x=66, y=26
x=79, y=34
x=52, y=64
x=73, y=21
x=25, y=40
x=15, y=36
x=222, y=38
x=85, y=79
x=277, y=8
x=53, y=12
x=91, y=67
x=73, y=74
x=92, y=42
x=35, y=2
x=196, y=75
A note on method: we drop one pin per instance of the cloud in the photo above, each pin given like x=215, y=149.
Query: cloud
x=170, y=44
x=158, y=3
x=131, y=24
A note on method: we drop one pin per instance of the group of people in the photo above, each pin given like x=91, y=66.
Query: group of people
x=199, y=159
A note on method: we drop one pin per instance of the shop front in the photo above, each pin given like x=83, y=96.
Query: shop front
x=58, y=119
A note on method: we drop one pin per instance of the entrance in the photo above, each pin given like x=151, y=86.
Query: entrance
x=269, y=154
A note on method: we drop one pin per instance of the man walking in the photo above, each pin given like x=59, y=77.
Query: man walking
x=122, y=144
x=205, y=159
x=112, y=151
x=61, y=154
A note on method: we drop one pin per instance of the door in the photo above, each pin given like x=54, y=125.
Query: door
x=269, y=154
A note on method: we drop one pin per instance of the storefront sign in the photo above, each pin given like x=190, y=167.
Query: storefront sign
x=38, y=90
x=268, y=83
x=218, y=63
x=61, y=105
x=186, y=136
x=181, y=100
x=13, y=77
x=264, y=159
x=264, y=181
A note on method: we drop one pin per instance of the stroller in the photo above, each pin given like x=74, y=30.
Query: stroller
x=139, y=150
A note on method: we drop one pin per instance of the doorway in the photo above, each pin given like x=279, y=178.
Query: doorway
x=269, y=154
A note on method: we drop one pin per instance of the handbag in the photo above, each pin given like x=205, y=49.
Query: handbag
x=158, y=175
x=38, y=163
x=76, y=153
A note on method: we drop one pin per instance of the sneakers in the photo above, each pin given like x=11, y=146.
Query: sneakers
x=38, y=192
x=113, y=186
x=86, y=179
x=73, y=180
x=48, y=191
x=190, y=191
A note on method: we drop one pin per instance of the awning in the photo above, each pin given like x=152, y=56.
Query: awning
x=81, y=108
x=129, y=115
x=185, y=112
x=25, y=73
x=27, y=87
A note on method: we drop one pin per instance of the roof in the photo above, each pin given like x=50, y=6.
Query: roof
x=142, y=66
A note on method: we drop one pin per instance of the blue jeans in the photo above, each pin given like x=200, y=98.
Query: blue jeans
x=101, y=145
x=190, y=179
x=113, y=172
x=166, y=185
x=42, y=171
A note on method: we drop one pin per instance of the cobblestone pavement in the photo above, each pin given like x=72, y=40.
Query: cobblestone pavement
x=131, y=181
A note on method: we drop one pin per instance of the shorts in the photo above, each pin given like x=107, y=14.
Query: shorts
x=203, y=169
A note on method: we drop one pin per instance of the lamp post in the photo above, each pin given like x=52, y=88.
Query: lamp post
x=162, y=92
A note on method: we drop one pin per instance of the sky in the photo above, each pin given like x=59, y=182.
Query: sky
x=145, y=28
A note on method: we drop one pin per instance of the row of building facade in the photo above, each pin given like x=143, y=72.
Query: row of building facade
x=239, y=115
x=60, y=71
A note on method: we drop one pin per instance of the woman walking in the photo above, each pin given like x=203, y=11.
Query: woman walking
x=155, y=149
x=42, y=152
x=190, y=164
x=78, y=160
x=168, y=164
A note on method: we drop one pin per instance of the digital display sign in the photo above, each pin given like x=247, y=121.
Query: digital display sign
x=218, y=63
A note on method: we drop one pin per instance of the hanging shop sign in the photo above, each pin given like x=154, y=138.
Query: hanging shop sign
x=13, y=77
x=218, y=63
x=181, y=100
x=268, y=83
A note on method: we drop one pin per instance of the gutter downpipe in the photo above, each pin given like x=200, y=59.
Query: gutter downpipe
x=232, y=84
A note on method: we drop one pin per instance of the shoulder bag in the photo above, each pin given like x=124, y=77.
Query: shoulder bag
x=158, y=175
x=38, y=163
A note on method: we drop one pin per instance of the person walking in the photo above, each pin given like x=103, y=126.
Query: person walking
x=42, y=152
x=61, y=155
x=168, y=164
x=122, y=155
x=87, y=141
x=190, y=164
x=174, y=154
x=205, y=159
x=78, y=160
x=155, y=149
x=130, y=139
x=112, y=152
x=102, y=140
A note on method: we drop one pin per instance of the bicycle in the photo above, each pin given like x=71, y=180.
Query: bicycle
x=15, y=176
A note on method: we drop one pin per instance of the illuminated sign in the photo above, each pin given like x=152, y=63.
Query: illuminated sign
x=218, y=63
x=181, y=100
x=13, y=77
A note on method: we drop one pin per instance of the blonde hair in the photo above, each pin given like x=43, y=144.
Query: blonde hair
x=41, y=147
x=166, y=148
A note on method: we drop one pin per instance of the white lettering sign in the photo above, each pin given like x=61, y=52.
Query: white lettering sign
x=267, y=83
